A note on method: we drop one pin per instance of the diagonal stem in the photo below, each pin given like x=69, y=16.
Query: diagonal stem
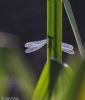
x=74, y=27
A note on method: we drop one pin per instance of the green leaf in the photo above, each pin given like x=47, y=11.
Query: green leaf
x=47, y=81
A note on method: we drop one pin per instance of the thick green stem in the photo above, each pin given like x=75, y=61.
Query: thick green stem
x=54, y=47
x=54, y=29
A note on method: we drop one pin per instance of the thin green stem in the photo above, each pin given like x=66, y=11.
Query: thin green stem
x=74, y=27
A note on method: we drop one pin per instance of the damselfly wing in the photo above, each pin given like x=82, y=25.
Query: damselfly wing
x=36, y=45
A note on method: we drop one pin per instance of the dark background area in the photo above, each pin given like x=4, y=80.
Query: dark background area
x=27, y=19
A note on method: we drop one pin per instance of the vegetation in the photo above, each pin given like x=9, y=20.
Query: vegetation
x=57, y=81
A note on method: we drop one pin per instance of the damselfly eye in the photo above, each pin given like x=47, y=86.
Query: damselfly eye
x=36, y=45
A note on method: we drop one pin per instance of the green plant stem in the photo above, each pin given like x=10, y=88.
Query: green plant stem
x=54, y=29
x=54, y=48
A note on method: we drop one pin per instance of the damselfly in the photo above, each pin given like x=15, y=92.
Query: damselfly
x=36, y=45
